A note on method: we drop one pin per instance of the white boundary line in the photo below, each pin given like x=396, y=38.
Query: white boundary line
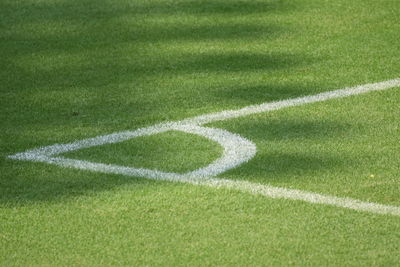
x=237, y=150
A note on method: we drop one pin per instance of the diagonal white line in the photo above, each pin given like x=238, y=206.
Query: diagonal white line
x=270, y=106
x=47, y=154
x=243, y=186
x=294, y=194
x=208, y=118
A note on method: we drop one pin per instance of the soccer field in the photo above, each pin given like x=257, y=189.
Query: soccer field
x=197, y=132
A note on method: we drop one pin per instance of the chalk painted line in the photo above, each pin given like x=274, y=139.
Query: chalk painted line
x=237, y=150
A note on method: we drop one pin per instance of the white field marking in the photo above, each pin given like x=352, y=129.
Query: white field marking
x=237, y=150
x=243, y=186
x=293, y=194
x=270, y=106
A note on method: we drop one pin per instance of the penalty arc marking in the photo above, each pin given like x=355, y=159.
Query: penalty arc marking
x=236, y=150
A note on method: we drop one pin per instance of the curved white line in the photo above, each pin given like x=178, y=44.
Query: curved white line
x=236, y=151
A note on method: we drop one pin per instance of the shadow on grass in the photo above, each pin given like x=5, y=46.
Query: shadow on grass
x=289, y=166
x=277, y=160
x=85, y=67
x=271, y=128
x=81, y=43
x=105, y=73
x=33, y=184
x=94, y=31
x=252, y=95
x=29, y=183
x=84, y=10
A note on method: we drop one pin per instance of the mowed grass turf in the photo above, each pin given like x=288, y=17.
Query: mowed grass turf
x=76, y=69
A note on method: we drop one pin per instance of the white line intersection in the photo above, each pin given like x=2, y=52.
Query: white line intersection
x=237, y=150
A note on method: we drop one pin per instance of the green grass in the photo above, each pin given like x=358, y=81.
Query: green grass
x=170, y=152
x=77, y=69
x=345, y=147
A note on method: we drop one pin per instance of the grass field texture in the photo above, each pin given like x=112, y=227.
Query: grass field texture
x=77, y=69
